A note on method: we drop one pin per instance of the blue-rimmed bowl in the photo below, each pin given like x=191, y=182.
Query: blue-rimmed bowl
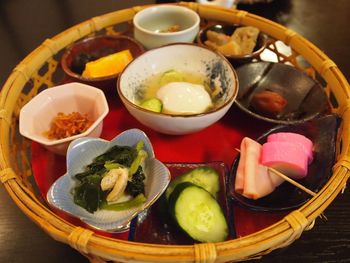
x=182, y=57
x=81, y=152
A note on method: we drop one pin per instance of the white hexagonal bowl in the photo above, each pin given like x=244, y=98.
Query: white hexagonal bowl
x=36, y=116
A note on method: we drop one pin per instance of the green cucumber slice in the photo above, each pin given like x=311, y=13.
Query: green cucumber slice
x=205, y=177
x=198, y=213
x=152, y=104
x=170, y=76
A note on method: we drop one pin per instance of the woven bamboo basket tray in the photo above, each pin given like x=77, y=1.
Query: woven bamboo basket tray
x=39, y=70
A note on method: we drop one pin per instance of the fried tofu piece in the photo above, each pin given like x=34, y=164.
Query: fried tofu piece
x=242, y=41
x=246, y=38
x=230, y=48
x=211, y=44
x=217, y=38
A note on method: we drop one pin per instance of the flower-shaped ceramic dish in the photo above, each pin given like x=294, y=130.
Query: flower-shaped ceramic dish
x=305, y=98
x=323, y=133
x=182, y=57
x=36, y=116
x=81, y=152
x=165, y=24
x=229, y=30
x=93, y=48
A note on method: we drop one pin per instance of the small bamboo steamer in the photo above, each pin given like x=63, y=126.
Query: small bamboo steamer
x=15, y=164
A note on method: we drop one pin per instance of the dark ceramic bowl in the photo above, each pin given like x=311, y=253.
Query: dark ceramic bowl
x=228, y=30
x=97, y=47
x=323, y=133
x=305, y=97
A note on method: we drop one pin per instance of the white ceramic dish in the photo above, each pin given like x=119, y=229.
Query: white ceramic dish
x=36, y=116
x=150, y=24
x=184, y=58
x=81, y=152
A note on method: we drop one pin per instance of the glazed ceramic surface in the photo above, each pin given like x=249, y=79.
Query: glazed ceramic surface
x=98, y=46
x=156, y=225
x=36, y=116
x=184, y=58
x=305, y=97
x=323, y=133
x=151, y=24
x=81, y=152
x=228, y=30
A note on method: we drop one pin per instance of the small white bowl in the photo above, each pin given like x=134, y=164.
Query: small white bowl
x=183, y=57
x=150, y=22
x=81, y=152
x=36, y=116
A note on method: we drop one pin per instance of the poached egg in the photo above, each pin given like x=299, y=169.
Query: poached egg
x=184, y=98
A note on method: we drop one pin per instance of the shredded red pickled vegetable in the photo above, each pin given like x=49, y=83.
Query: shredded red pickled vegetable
x=66, y=125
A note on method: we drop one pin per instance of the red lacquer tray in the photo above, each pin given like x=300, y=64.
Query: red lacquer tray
x=215, y=143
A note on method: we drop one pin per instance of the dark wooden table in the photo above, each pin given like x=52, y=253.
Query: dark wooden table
x=26, y=24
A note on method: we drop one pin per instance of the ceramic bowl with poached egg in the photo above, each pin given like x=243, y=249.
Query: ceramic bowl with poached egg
x=193, y=86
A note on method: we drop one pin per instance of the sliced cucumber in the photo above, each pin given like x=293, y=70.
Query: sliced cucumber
x=198, y=213
x=152, y=104
x=170, y=76
x=205, y=177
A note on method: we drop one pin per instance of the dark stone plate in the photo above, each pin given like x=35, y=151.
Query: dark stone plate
x=305, y=97
x=323, y=133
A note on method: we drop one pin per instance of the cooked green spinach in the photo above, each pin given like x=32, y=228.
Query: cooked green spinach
x=89, y=194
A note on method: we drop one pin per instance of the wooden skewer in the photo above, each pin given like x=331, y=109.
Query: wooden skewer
x=289, y=180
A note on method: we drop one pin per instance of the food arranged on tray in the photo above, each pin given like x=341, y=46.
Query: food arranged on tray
x=108, y=65
x=287, y=152
x=191, y=200
x=193, y=209
x=239, y=44
x=268, y=103
x=165, y=24
x=178, y=90
x=279, y=93
x=112, y=177
x=60, y=110
x=109, y=182
x=194, y=85
x=310, y=164
x=178, y=93
x=98, y=60
x=67, y=125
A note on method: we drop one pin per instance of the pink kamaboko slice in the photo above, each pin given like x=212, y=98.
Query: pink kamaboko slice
x=289, y=158
x=253, y=180
x=303, y=141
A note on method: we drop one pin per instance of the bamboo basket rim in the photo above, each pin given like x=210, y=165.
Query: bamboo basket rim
x=99, y=248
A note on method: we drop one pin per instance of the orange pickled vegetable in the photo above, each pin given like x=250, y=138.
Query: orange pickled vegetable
x=66, y=125
x=108, y=65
